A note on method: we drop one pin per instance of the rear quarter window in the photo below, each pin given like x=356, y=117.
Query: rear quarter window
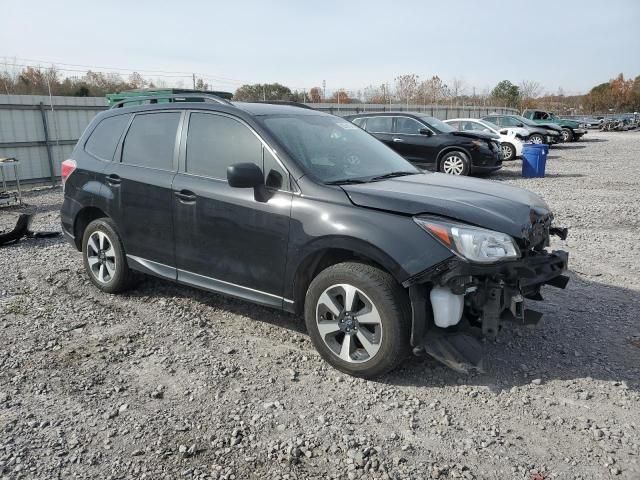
x=103, y=141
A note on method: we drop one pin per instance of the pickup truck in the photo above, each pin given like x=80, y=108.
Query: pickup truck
x=571, y=129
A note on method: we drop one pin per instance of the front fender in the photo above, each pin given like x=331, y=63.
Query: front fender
x=392, y=240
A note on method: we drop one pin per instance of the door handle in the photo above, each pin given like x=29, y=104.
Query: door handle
x=398, y=140
x=186, y=196
x=114, y=179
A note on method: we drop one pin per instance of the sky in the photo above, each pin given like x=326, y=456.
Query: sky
x=572, y=45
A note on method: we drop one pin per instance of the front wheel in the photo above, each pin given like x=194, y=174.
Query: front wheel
x=455, y=163
x=567, y=135
x=536, y=138
x=358, y=319
x=508, y=152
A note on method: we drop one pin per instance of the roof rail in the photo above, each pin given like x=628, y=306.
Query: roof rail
x=174, y=97
x=285, y=102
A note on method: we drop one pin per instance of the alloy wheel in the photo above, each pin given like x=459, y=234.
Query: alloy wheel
x=101, y=257
x=349, y=323
x=537, y=139
x=507, y=152
x=453, y=165
x=566, y=135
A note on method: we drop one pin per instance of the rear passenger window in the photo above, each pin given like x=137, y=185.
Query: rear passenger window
x=379, y=124
x=214, y=142
x=151, y=139
x=105, y=137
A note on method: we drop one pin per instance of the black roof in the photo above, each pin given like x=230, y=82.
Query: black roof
x=384, y=114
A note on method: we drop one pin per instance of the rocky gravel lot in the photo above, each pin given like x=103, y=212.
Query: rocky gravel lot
x=170, y=382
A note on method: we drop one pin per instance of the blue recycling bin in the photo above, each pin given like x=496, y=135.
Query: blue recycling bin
x=534, y=159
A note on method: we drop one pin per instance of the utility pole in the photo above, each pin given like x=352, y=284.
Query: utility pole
x=194, y=80
x=324, y=90
x=264, y=93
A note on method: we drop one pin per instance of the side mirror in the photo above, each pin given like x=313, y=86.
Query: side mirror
x=504, y=131
x=425, y=131
x=519, y=124
x=244, y=175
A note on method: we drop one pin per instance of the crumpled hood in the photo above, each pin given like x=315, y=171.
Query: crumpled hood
x=474, y=134
x=484, y=203
x=551, y=126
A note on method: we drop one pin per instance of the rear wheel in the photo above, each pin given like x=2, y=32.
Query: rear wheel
x=567, y=135
x=358, y=319
x=455, y=163
x=104, y=257
x=508, y=152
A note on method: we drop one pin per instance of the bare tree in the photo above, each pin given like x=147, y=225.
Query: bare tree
x=458, y=87
x=406, y=87
x=530, y=89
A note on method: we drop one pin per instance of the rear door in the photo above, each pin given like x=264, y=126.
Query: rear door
x=137, y=187
x=231, y=240
x=382, y=128
x=415, y=146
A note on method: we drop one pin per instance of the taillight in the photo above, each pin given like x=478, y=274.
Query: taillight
x=66, y=169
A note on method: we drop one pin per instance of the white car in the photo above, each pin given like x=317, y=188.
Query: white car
x=511, y=138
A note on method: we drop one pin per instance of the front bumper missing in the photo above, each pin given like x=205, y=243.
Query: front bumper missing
x=493, y=294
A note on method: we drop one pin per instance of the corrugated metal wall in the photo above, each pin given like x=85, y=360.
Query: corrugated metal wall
x=443, y=112
x=22, y=133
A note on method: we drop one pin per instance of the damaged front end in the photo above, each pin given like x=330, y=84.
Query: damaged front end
x=466, y=298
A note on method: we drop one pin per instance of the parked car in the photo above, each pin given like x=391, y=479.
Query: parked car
x=572, y=130
x=511, y=139
x=549, y=134
x=305, y=212
x=430, y=143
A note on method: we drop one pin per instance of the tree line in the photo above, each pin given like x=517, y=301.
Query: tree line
x=618, y=94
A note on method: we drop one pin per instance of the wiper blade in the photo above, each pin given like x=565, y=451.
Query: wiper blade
x=393, y=174
x=346, y=181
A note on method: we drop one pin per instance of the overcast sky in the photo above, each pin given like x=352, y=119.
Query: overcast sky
x=568, y=44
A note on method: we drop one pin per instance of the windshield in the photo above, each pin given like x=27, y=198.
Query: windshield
x=333, y=149
x=491, y=126
x=438, y=124
x=526, y=121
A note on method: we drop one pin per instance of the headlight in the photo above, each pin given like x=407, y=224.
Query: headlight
x=471, y=243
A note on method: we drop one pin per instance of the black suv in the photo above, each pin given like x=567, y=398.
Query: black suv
x=432, y=144
x=305, y=212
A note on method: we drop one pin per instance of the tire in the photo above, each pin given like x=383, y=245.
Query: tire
x=567, y=135
x=508, y=152
x=104, y=257
x=454, y=162
x=536, y=138
x=378, y=299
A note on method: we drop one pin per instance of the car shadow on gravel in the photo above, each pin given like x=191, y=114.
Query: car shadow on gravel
x=160, y=289
x=588, y=330
x=593, y=140
x=577, y=338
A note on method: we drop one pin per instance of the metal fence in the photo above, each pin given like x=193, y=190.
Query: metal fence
x=41, y=131
x=443, y=112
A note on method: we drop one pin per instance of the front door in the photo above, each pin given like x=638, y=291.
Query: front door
x=230, y=240
x=413, y=145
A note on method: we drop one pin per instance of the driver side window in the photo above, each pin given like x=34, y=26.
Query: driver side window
x=408, y=126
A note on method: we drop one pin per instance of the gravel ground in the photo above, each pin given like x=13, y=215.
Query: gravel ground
x=171, y=382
